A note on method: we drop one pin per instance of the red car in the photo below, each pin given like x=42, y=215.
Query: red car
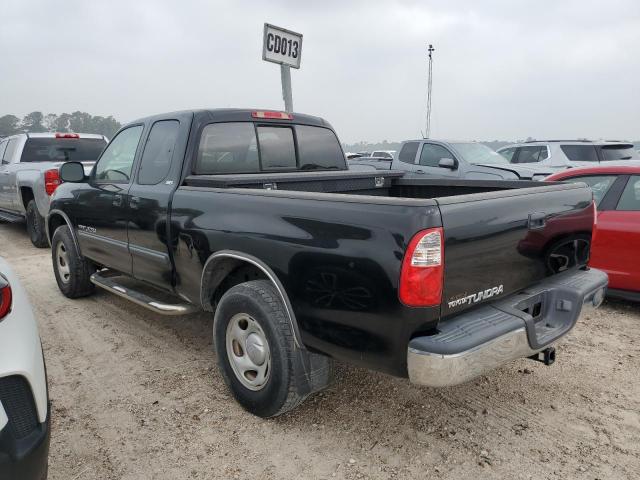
x=616, y=244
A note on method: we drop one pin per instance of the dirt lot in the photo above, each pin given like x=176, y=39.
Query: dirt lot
x=136, y=396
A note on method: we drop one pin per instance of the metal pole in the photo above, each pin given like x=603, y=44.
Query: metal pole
x=285, y=74
x=428, y=127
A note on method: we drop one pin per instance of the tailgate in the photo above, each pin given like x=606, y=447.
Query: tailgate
x=501, y=242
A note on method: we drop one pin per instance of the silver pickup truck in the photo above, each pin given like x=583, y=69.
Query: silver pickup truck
x=29, y=174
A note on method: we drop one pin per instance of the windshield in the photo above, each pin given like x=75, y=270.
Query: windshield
x=619, y=152
x=62, y=149
x=477, y=153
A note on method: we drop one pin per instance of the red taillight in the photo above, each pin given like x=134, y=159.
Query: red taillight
x=67, y=135
x=422, y=272
x=51, y=180
x=5, y=298
x=272, y=115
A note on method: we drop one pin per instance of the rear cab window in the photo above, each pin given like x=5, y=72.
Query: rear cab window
x=245, y=147
x=49, y=149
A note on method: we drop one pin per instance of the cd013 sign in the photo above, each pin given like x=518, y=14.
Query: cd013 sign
x=281, y=46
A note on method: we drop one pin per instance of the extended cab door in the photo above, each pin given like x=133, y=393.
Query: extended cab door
x=149, y=200
x=100, y=211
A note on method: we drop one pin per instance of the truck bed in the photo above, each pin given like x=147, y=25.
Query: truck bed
x=392, y=183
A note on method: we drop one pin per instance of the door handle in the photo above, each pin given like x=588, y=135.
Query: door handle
x=117, y=201
x=537, y=220
x=134, y=202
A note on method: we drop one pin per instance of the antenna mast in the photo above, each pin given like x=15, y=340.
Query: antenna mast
x=429, y=88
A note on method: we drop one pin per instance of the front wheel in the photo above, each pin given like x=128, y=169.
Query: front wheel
x=72, y=271
x=36, y=226
x=257, y=355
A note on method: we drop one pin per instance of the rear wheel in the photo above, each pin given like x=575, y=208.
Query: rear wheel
x=568, y=252
x=35, y=226
x=256, y=352
x=71, y=270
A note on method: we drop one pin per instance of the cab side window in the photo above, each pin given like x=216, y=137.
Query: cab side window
x=531, y=154
x=431, y=155
x=158, y=152
x=9, y=151
x=116, y=162
x=3, y=147
x=408, y=152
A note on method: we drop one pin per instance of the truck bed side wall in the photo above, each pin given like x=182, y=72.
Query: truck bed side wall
x=338, y=261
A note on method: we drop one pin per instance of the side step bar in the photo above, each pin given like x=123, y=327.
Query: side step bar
x=108, y=280
x=11, y=217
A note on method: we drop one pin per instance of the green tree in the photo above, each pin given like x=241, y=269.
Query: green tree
x=9, y=124
x=79, y=122
x=50, y=122
x=32, y=122
x=62, y=123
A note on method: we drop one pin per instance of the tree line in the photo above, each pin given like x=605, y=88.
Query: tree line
x=79, y=122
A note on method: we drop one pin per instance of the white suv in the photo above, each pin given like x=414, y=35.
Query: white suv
x=561, y=154
x=24, y=405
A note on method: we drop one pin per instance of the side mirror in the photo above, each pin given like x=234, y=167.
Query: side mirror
x=449, y=163
x=72, y=172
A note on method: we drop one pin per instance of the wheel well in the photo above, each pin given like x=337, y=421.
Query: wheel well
x=55, y=221
x=226, y=274
x=27, y=195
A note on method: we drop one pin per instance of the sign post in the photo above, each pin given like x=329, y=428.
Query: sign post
x=285, y=48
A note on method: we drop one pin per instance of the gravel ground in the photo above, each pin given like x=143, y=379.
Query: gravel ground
x=136, y=396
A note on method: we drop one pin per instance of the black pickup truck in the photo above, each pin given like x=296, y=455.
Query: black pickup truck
x=254, y=216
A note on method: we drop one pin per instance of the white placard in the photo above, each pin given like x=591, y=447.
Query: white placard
x=281, y=46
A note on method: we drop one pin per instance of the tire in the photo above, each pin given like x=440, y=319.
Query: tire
x=72, y=271
x=287, y=375
x=568, y=252
x=35, y=226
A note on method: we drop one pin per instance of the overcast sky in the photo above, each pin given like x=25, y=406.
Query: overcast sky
x=502, y=69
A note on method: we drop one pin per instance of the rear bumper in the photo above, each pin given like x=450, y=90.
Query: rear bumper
x=474, y=343
x=27, y=458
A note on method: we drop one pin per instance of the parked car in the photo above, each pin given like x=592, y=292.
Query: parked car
x=561, y=154
x=302, y=260
x=29, y=174
x=390, y=154
x=369, y=163
x=464, y=160
x=616, y=245
x=24, y=406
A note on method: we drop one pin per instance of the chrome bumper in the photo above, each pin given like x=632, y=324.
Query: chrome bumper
x=437, y=369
